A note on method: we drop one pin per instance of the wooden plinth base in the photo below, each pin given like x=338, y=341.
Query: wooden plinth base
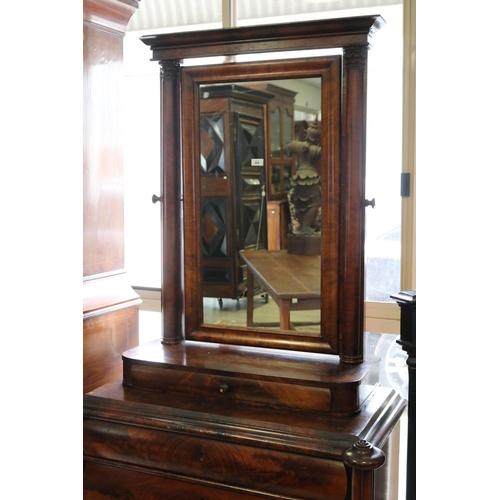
x=252, y=376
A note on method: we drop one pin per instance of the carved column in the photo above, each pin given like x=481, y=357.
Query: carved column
x=352, y=204
x=171, y=201
x=362, y=459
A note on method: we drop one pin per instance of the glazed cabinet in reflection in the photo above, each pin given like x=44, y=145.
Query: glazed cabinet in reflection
x=233, y=210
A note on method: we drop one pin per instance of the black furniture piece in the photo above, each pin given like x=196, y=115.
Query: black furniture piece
x=407, y=301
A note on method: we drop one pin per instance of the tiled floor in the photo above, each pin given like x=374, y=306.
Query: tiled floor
x=393, y=369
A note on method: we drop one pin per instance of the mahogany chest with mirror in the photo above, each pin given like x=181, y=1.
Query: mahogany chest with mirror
x=283, y=409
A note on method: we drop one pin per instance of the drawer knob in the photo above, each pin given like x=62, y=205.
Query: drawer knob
x=223, y=388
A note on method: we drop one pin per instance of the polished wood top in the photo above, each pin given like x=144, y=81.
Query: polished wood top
x=314, y=431
x=285, y=275
x=322, y=370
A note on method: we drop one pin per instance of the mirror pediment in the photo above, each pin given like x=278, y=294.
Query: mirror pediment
x=261, y=39
x=193, y=227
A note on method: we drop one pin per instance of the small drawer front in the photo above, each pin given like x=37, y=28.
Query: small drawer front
x=245, y=390
x=249, y=467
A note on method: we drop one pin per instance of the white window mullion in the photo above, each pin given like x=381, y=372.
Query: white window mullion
x=381, y=316
x=229, y=18
x=408, y=224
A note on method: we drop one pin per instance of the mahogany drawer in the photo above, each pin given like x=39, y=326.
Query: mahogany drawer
x=240, y=466
x=224, y=388
x=111, y=482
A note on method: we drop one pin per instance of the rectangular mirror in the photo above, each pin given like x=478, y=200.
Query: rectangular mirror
x=253, y=139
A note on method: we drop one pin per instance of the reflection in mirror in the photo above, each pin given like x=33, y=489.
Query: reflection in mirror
x=260, y=189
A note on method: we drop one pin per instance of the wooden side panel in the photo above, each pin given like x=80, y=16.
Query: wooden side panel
x=110, y=306
x=102, y=152
x=278, y=219
x=105, y=338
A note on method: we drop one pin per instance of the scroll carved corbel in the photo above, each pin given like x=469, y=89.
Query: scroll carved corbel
x=361, y=460
x=364, y=456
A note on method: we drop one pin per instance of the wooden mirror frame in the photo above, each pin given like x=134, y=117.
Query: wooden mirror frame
x=343, y=178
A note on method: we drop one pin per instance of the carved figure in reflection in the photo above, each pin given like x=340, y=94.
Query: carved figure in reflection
x=304, y=196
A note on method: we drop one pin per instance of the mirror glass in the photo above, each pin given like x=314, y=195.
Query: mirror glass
x=260, y=170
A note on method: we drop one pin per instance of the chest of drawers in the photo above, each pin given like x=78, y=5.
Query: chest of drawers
x=147, y=445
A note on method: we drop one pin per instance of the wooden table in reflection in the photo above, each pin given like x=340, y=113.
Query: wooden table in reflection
x=292, y=281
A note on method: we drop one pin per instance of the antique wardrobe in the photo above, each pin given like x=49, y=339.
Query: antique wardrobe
x=218, y=412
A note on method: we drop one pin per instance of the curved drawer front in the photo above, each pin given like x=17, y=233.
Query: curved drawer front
x=245, y=390
x=249, y=467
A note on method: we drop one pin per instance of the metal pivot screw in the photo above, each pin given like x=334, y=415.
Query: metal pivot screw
x=370, y=203
x=155, y=198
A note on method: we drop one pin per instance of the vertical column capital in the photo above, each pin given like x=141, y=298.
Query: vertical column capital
x=356, y=55
x=170, y=70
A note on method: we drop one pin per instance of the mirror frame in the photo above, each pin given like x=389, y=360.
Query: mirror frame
x=329, y=70
x=343, y=101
